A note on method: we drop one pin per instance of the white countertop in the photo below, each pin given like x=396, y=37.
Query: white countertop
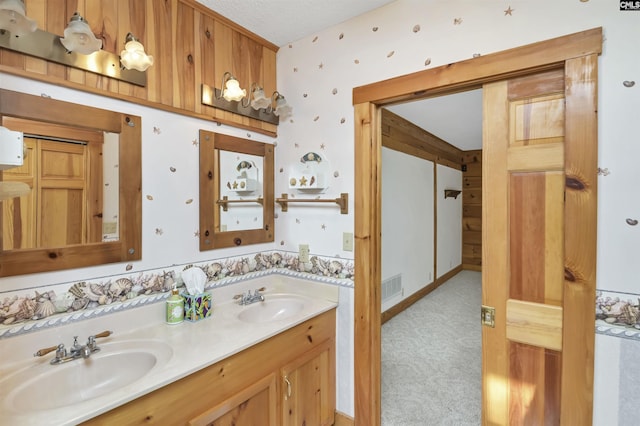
x=195, y=345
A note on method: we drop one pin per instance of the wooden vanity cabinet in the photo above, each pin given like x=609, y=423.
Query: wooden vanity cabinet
x=249, y=388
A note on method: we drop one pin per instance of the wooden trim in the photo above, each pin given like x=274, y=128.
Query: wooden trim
x=445, y=80
x=495, y=234
x=48, y=110
x=368, y=228
x=404, y=304
x=581, y=140
x=468, y=267
x=472, y=73
x=342, y=419
x=402, y=135
x=139, y=101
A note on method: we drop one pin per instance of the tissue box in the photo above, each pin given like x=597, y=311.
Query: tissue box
x=197, y=307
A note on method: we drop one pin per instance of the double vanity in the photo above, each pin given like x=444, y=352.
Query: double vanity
x=271, y=362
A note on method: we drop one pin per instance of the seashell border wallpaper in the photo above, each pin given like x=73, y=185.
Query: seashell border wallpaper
x=88, y=299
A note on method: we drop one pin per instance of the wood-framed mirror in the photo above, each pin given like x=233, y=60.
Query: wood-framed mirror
x=66, y=221
x=236, y=191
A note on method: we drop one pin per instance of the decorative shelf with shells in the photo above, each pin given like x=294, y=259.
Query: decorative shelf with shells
x=310, y=174
x=247, y=179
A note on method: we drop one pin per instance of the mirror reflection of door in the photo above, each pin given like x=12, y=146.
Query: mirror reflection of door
x=63, y=167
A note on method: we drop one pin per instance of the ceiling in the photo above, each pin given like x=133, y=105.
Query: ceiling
x=286, y=21
x=457, y=118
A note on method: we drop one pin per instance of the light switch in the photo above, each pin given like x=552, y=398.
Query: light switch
x=347, y=241
x=303, y=253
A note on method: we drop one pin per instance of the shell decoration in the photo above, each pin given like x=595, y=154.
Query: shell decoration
x=83, y=295
x=45, y=308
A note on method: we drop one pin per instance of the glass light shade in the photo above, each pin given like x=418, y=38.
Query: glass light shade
x=134, y=57
x=13, y=19
x=79, y=38
x=283, y=110
x=259, y=99
x=232, y=90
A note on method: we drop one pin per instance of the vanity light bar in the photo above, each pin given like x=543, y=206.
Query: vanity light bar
x=44, y=45
x=212, y=97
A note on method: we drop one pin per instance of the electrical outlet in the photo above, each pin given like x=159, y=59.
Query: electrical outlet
x=303, y=253
x=347, y=241
x=109, y=227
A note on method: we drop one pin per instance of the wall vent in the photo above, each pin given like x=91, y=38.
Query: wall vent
x=391, y=287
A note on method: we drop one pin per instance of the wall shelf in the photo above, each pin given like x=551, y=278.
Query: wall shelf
x=452, y=193
x=342, y=201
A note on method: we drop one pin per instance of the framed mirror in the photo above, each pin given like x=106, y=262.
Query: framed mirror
x=83, y=170
x=236, y=191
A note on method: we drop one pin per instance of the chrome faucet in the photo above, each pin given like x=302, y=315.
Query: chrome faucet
x=76, y=351
x=249, y=298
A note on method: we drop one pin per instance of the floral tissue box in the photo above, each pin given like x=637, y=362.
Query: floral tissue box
x=197, y=307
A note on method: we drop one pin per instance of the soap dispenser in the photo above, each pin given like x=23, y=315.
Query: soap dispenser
x=175, y=307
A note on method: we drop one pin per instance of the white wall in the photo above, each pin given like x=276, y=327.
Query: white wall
x=407, y=222
x=449, y=234
x=317, y=75
x=169, y=218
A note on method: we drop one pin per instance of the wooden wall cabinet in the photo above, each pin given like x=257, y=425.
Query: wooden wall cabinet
x=190, y=44
x=288, y=379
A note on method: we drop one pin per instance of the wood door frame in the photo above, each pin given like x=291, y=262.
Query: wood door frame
x=446, y=79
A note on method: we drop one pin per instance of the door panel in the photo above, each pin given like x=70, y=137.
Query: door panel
x=528, y=146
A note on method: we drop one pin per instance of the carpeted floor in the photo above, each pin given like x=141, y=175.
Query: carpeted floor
x=431, y=358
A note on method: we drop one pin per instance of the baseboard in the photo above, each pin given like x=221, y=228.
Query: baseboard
x=470, y=267
x=343, y=420
x=404, y=304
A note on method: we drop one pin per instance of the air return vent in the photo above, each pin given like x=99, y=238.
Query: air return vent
x=391, y=287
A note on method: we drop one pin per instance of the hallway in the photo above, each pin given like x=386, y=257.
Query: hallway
x=431, y=358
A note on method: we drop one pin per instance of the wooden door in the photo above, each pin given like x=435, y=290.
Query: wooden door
x=539, y=195
x=62, y=185
x=309, y=388
x=18, y=214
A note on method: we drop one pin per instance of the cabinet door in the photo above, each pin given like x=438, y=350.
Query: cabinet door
x=255, y=405
x=309, y=388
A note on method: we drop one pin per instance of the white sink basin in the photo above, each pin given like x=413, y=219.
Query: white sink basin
x=274, y=308
x=116, y=365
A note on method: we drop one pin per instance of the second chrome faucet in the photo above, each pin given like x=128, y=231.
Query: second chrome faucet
x=248, y=297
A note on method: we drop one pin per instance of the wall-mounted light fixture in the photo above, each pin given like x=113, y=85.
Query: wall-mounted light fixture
x=133, y=56
x=282, y=109
x=14, y=20
x=255, y=104
x=79, y=48
x=231, y=90
x=79, y=38
x=259, y=100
